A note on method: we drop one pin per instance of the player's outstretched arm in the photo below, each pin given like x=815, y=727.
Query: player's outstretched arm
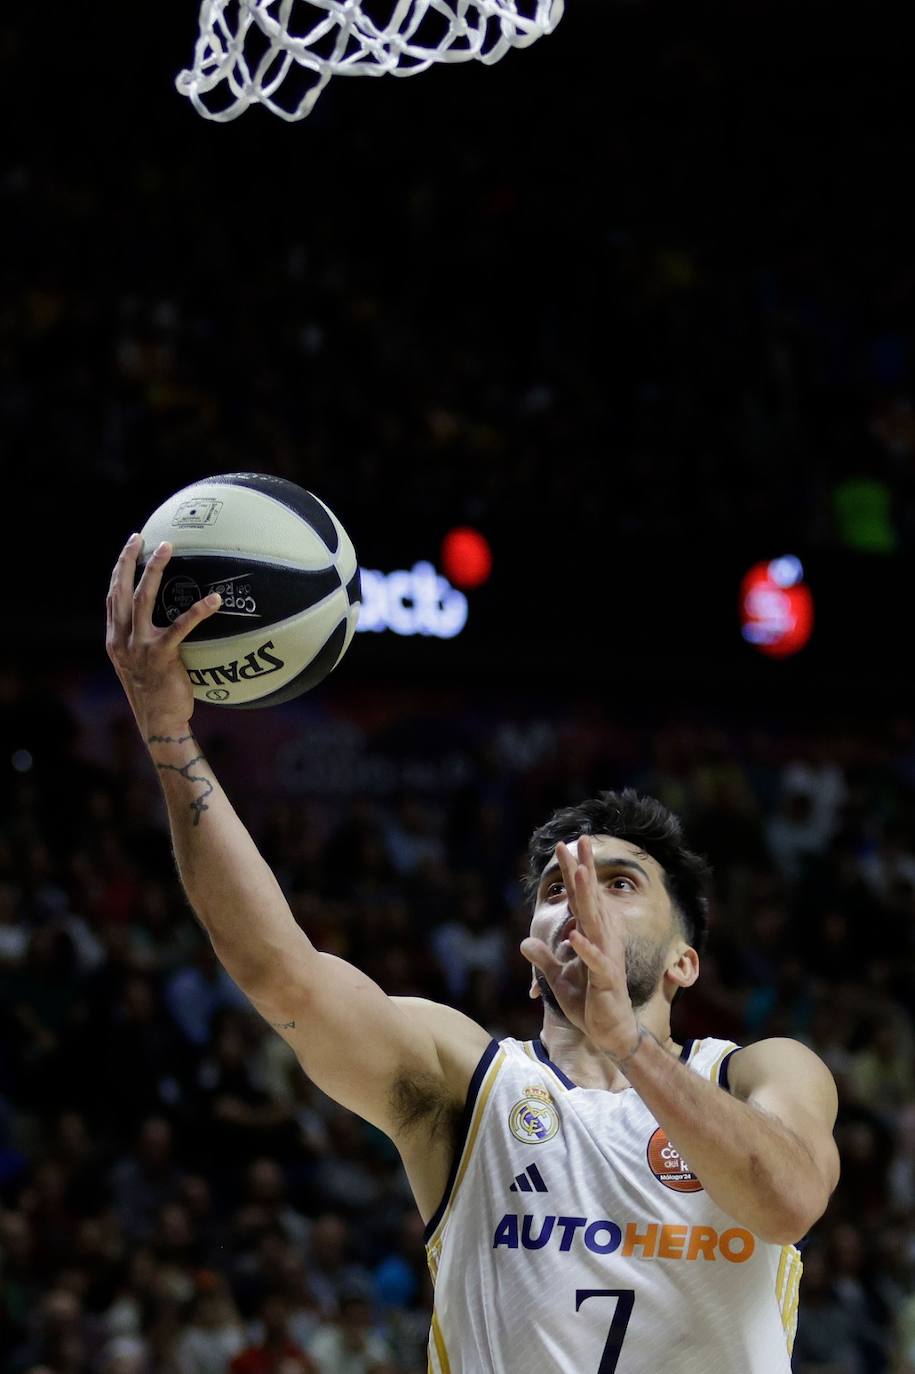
x=352, y=1040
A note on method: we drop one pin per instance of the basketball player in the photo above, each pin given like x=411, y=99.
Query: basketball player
x=600, y=1199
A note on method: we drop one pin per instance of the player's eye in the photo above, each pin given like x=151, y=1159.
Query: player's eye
x=555, y=889
x=630, y=885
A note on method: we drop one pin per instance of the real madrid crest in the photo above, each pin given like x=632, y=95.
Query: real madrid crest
x=535, y=1118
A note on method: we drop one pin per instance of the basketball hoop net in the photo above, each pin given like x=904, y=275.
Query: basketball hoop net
x=261, y=49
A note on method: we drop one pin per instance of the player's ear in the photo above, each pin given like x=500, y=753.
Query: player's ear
x=686, y=969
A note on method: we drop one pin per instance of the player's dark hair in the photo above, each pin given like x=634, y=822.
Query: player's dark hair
x=646, y=823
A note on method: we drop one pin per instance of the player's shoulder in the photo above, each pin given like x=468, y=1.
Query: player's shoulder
x=777, y=1059
x=456, y=1036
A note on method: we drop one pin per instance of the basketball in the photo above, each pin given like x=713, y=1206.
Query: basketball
x=287, y=574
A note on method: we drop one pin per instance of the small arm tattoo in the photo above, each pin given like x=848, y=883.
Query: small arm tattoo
x=283, y=1025
x=198, y=805
x=168, y=739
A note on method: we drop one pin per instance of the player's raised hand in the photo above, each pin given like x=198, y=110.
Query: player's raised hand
x=593, y=993
x=599, y=941
x=145, y=657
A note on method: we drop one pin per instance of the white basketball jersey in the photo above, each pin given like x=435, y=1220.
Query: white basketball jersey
x=573, y=1238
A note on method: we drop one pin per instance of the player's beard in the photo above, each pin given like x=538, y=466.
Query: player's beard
x=644, y=967
x=549, y=996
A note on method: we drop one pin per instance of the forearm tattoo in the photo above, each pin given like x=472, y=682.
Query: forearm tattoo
x=283, y=1025
x=199, y=804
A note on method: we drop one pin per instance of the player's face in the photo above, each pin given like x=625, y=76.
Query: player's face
x=632, y=883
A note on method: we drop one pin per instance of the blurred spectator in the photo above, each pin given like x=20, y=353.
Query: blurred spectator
x=266, y=1202
x=197, y=990
x=410, y=836
x=882, y=1075
x=825, y=1339
x=473, y=940
x=349, y=1345
x=134, y=1295
x=143, y=1181
x=901, y=1174
x=214, y=1333
x=349, y=1177
x=125, y=1355
x=400, y=1277
x=61, y=1335
x=275, y=1352
x=905, y=1338
x=14, y=937
x=854, y=1279
x=237, y=1116
x=305, y=1314
x=331, y=1271
x=800, y=829
x=143, y=1050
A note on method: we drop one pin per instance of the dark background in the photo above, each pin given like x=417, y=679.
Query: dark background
x=637, y=303
x=634, y=303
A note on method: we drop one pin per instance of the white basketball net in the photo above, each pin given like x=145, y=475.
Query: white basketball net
x=253, y=46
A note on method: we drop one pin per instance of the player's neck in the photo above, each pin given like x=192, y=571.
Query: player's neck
x=589, y=1067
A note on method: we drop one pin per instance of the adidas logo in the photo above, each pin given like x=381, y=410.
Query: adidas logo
x=530, y=1181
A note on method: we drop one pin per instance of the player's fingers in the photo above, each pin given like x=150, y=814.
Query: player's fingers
x=586, y=854
x=538, y=953
x=585, y=895
x=126, y=559
x=182, y=626
x=581, y=889
x=599, y=966
x=567, y=865
x=119, y=603
x=144, y=598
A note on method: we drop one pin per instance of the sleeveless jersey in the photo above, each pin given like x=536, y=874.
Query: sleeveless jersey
x=573, y=1238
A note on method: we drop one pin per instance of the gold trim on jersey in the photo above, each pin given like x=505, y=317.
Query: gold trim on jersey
x=437, y=1342
x=433, y=1244
x=716, y=1067
x=788, y=1290
x=552, y=1069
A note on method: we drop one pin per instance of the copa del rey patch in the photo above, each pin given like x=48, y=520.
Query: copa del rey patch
x=668, y=1165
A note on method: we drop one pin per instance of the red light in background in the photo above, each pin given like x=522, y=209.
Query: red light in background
x=466, y=557
x=776, y=607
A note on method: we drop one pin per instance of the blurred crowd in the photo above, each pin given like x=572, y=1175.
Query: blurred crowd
x=177, y=1198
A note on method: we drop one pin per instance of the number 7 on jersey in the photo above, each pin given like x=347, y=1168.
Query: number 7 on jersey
x=625, y=1300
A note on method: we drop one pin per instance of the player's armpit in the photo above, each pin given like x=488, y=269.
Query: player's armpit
x=353, y=1041
x=788, y=1081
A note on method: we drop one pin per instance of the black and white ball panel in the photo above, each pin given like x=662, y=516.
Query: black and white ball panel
x=287, y=574
x=253, y=514
x=250, y=589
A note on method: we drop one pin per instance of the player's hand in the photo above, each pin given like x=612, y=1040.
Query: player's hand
x=146, y=658
x=601, y=1007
